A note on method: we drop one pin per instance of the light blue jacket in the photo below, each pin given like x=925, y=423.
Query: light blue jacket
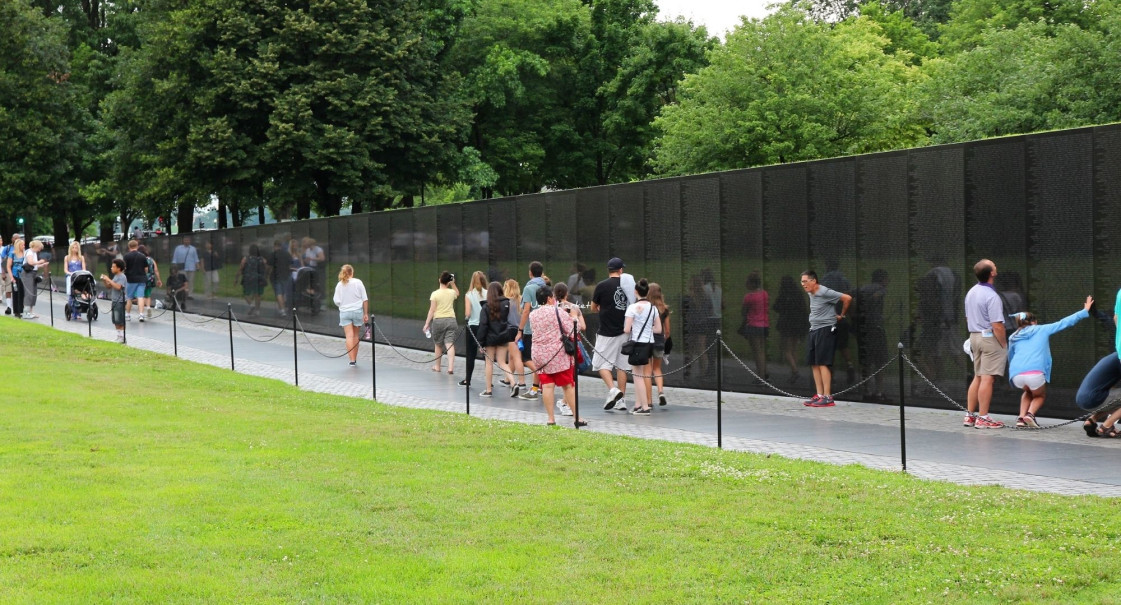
x=1029, y=348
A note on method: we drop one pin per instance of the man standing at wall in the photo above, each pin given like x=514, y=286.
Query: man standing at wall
x=822, y=342
x=136, y=275
x=984, y=315
x=186, y=257
x=610, y=300
x=525, y=329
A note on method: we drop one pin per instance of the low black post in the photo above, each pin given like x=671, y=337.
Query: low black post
x=719, y=391
x=89, y=316
x=230, y=321
x=295, y=350
x=174, y=332
x=575, y=396
x=902, y=418
x=467, y=397
x=373, y=361
x=124, y=332
x=50, y=295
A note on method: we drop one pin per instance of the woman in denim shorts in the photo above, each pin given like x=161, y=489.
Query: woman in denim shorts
x=354, y=309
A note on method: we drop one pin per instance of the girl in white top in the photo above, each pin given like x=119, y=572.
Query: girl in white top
x=642, y=323
x=354, y=309
x=473, y=301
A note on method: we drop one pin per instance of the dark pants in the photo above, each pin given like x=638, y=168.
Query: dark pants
x=17, y=296
x=1095, y=386
x=472, y=350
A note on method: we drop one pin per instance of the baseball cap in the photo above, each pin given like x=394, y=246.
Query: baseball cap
x=615, y=264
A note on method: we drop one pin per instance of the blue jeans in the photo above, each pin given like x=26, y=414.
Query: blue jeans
x=1095, y=386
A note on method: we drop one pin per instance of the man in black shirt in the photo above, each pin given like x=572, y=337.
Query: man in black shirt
x=610, y=300
x=136, y=274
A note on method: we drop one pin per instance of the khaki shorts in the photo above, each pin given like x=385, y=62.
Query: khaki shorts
x=5, y=286
x=989, y=358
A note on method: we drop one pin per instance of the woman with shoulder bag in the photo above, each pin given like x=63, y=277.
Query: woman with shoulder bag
x=493, y=333
x=642, y=323
x=473, y=303
x=15, y=269
x=662, y=342
x=30, y=277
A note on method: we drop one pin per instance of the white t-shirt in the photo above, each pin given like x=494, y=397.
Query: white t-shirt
x=475, y=297
x=351, y=295
x=638, y=313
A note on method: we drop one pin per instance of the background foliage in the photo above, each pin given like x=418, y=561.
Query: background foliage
x=152, y=109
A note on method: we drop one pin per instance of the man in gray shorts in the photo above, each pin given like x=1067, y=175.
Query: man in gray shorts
x=822, y=342
x=984, y=315
x=610, y=300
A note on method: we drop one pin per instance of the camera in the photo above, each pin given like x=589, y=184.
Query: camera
x=453, y=277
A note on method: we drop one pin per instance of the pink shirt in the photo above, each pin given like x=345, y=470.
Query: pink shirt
x=547, y=346
x=755, y=306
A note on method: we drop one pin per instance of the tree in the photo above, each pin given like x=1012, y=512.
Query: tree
x=969, y=19
x=787, y=88
x=38, y=109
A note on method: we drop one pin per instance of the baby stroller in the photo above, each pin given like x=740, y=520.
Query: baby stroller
x=83, y=296
x=306, y=291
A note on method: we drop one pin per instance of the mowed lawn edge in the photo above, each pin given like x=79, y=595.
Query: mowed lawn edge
x=130, y=476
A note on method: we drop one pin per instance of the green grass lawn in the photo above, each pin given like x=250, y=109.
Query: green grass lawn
x=133, y=477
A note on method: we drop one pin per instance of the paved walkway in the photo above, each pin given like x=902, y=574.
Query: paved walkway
x=1060, y=461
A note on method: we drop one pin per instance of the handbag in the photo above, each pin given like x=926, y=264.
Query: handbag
x=583, y=361
x=566, y=340
x=669, y=345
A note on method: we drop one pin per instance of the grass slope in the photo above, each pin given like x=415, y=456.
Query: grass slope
x=133, y=477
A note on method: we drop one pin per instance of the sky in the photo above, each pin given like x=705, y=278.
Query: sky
x=718, y=16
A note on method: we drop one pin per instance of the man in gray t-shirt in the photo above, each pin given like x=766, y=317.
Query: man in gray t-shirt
x=823, y=337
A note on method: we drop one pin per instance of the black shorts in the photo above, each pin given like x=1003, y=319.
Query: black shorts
x=821, y=345
x=844, y=328
x=527, y=347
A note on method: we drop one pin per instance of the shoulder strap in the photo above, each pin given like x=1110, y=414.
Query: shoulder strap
x=649, y=314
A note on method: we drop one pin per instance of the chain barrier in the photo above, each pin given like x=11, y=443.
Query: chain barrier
x=406, y=357
x=777, y=389
x=631, y=372
x=316, y=349
x=1105, y=406
x=250, y=336
x=486, y=357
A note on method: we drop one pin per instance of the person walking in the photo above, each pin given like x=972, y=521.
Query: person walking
x=610, y=301
x=354, y=308
x=136, y=274
x=984, y=316
x=641, y=324
x=153, y=278
x=513, y=291
x=1029, y=359
x=14, y=263
x=278, y=262
x=658, y=299
x=554, y=367
x=472, y=308
x=440, y=322
x=30, y=277
x=494, y=332
x=5, y=277
x=529, y=302
x=821, y=344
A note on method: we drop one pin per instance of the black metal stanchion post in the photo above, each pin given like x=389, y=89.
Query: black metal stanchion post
x=295, y=350
x=174, y=330
x=575, y=394
x=467, y=397
x=719, y=390
x=50, y=295
x=89, y=316
x=230, y=321
x=124, y=332
x=373, y=361
x=902, y=419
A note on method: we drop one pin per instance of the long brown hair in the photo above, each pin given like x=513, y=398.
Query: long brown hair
x=345, y=273
x=494, y=294
x=657, y=299
x=479, y=281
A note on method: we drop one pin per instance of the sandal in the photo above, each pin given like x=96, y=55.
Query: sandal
x=550, y=424
x=451, y=371
x=581, y=423
x=1108, y=432
x=1091, y=428
x=463, y=383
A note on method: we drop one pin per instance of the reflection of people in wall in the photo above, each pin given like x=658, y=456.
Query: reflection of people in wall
x=756, y=322
x=186, y=258
x=212, y=265
x=792, y=309
x=939, y=307
x=871, y=336
x=836, y=280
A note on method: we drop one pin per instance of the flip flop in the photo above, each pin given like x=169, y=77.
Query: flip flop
x=1109, y=432
x=451, y=371
x=1091, y=428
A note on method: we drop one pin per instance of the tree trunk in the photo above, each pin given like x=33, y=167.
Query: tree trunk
x=221, y=214
x=355, y=206
x=261, y=214
x=303, y=209
x=61, y=232
x=185, y=217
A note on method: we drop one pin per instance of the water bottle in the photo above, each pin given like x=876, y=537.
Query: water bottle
x=428, y=333
x=521, y=346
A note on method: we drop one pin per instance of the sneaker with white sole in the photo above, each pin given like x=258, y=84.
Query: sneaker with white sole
x=128, y=316
x=563, y=408
x=514, y=389
x=486, y=394
x=969, y=421
x=529, y=394
x=141, y=319
x=662, y=399
x=1029, y=420
x=621, y=404
x=984, y=422
x=813, y=401
x=613, y=396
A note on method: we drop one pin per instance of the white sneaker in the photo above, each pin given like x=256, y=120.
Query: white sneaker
x=128, y=316
x=149, y=312
x=621, y=404
x=563, y=408
x=141, y=319
x=612, y=396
